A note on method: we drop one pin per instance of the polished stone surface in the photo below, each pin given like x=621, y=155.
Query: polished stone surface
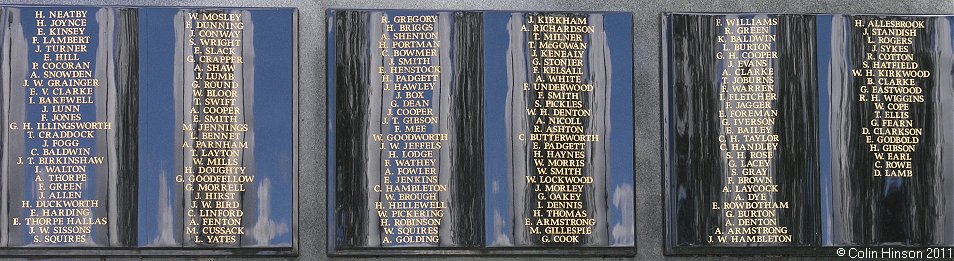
x=97, y=135
x=856, y=104
x=711, y=146
x=488, y=163
x=879, y=188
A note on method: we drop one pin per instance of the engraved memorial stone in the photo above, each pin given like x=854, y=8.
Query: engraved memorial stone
x=480, y=130
x=889, y=97
x=407, y=96
x=216, y=155
x=740, y=113
x=563, y=151
x=130, y=129
x=807, y=132
x=67, y=118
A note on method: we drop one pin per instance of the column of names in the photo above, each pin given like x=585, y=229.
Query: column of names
x=409, y=206
x=214, y=126
x=558, y=111
x=749, y=144
x=889, y=74
x=61, y=158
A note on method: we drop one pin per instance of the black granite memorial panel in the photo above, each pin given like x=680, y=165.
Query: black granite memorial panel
x=408, y=125
x=66, y=174
x=888, y=90
x=480, y=132
x=217, y=167
x=741, y=131
x=144, y=131
x=800, y=134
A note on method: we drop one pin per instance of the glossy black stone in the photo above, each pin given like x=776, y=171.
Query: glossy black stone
x=530, y=158
x=600, y=148
x=696, y=169
x=358, y=114
x=30, y=153
x=865, y=204
x=863, y=102
x=239, y=92
x=482, y=98
x=93, y=99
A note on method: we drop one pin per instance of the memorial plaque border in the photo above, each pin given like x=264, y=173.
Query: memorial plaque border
x=485, y=251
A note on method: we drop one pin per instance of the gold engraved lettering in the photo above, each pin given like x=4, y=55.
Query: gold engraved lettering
x=748, y=113
x=410, y=207
x=215, y=144
x=891, y=78
x=61, y=87
x=558, y=136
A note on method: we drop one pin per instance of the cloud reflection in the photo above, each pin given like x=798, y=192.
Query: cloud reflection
x=266, y=229
x=164, y=224
x=623, y=231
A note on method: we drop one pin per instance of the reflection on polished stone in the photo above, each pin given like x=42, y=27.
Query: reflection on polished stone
x=806, y=131
x=142, y=127
x=889, y=91
x=407, y=97
x=65, y=154
x=217, y=161
x=480, y=129
x=742, y=130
